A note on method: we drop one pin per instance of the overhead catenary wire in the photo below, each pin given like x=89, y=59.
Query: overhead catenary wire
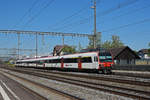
x=68, y=18
x=99, y=14
x=124, y=14
x=26, y=13
x=121, y=5
x=39, y=12
x=127, y=25
x=127, y=13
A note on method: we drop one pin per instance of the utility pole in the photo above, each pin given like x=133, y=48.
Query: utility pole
x=36, y=46
x=63, y=39
x=94, y=36
x=18, y=45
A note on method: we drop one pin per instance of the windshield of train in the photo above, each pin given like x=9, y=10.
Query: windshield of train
x=105, y=57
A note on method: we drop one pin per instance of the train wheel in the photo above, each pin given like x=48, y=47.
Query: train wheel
x=105, y=71
x=109, y=71
x=100, y=72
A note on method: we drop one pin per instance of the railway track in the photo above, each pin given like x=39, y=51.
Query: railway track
x=67, y=78
x=60, y=95
x=40, y=97
x=112, y=78
x=132, y=75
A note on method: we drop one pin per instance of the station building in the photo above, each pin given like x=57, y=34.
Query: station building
x=143, y=53
x=124, y=56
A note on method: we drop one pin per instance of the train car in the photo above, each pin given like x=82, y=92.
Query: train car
x=100, y=61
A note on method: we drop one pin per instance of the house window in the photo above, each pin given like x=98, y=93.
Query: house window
x=128, y=61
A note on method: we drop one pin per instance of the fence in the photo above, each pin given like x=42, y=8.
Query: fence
x=140, y=65
x=142, y=62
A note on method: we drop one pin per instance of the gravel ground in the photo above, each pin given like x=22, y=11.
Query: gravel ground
x=109, y=76
x=114, y=76
x=137, y=87
x=136, y=72
x=87, y=94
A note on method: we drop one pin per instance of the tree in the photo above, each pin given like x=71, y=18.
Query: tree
x=97, y=39
x=136, y=52
x=107, y=44
x=149, y=50
x=115, y=42
x=69, y=49
x=79, y=47
x=91, y=44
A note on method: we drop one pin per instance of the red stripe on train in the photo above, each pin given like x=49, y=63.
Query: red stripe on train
x=62, y=63
x=79, y=63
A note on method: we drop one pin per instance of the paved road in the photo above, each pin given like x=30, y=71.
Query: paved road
x=11, y=90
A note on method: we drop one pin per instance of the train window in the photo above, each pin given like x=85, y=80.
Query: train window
x=105, y=57
x=33, y=62
x=37, y=62
x=75, y=60
x=70, y=60
x=86, y=60
x=46, y=61
x=49, y=61
x=55, y=61
x=41, y=61
x=18, y=62
x=95, y=59
x=28, y=62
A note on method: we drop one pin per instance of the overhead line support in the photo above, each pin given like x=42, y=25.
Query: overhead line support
x=18, y=33
x=45, y=33
x=94, y=23
x=94, y=36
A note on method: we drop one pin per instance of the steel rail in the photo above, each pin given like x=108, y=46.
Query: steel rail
x=91, y=85
x=29, y=90
x=68, y=96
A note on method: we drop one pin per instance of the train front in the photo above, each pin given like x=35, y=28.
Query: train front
x=105, y=62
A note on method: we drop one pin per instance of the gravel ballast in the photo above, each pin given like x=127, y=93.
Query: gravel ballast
x=81, y=92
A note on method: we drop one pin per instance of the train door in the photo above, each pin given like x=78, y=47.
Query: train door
x=95, y=62
x=62, y=63
x=79, y=63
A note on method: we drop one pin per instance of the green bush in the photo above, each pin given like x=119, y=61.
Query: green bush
x=149, y=52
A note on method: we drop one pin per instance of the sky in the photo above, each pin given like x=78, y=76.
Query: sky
x=128, y=19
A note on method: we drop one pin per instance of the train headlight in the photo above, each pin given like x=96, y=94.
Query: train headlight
x=111, y=65
x=102, y=65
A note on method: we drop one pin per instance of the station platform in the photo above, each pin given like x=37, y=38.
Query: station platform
x=11, y=90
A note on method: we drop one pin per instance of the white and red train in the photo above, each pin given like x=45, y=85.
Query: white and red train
x=97, y=61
